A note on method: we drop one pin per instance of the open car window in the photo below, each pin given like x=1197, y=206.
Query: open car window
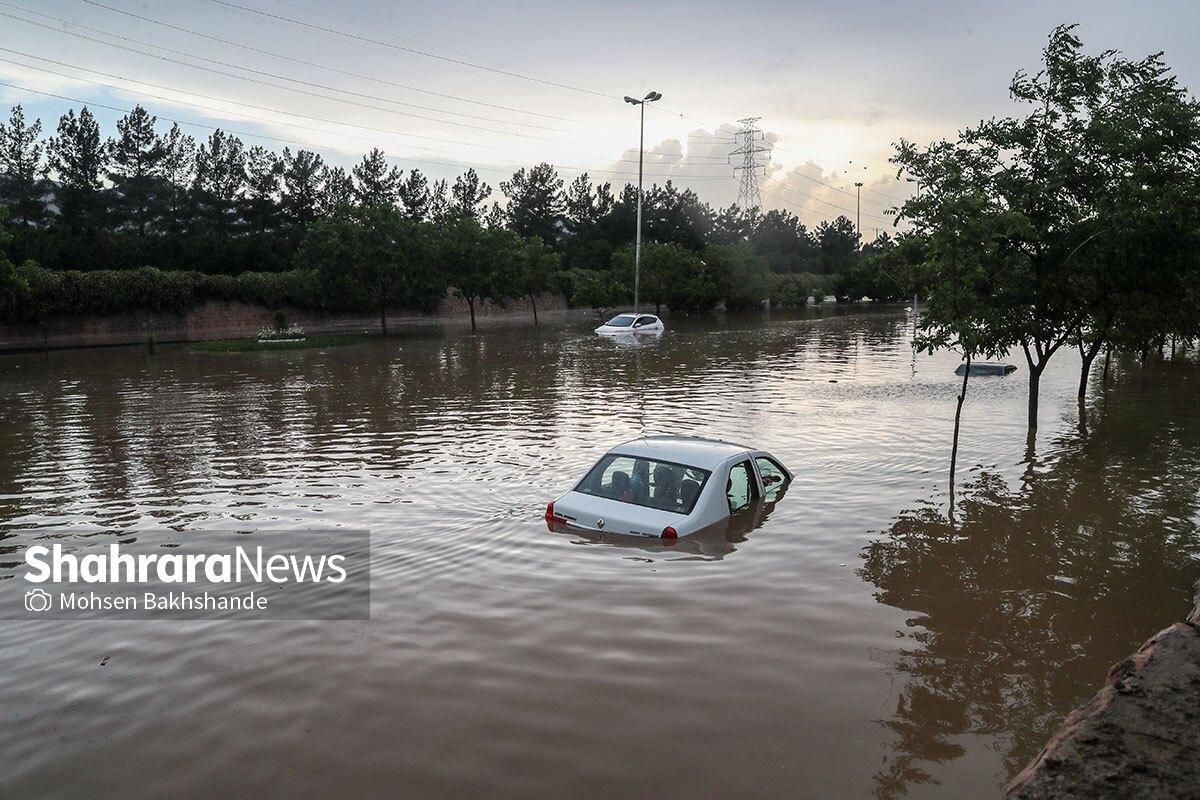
x=664, y=485
x=773, y=476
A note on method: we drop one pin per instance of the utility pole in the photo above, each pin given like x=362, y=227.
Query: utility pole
x=750, y=145
x=637, y=246
x=858, y=223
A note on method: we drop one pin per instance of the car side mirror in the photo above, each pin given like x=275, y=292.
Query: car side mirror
x=637, y=324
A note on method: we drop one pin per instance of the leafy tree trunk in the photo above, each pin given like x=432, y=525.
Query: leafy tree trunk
x=657, y=308
x=962, y=395
x=1107, y=355
x=471, y=304
x=533, y=302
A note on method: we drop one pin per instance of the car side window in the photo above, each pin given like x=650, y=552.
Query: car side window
x=773, y=476
x=741, y=488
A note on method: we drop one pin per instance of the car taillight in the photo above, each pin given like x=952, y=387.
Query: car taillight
x=669, y=533
x=551, y=516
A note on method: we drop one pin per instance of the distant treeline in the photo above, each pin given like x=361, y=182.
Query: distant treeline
x=78, y=201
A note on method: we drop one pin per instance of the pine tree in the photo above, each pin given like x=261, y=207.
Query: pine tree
x=178, y=170
x=220, y=176
x=337, y=192
x=78, y=158
x=468, y=195
x=22, y=184
x=135, y=168
x=263, y=171
x=302, y=186
x=439, y=203
x=375, y=182
x=414, y=194
x=535, y=202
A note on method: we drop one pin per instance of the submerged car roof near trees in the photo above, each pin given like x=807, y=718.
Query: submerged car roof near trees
x=670, y=486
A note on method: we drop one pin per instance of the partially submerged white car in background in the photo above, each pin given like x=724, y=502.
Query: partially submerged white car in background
x=631, y=323
x=665, y=487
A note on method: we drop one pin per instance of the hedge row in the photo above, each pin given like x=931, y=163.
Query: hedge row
x=69, y=292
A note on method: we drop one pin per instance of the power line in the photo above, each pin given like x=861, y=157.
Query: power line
x=303, y=145
x=69, y=24
x=325, y=67
x=262, y=108
x=462, y=62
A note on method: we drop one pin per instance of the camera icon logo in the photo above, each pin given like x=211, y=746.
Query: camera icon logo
x=37, y=600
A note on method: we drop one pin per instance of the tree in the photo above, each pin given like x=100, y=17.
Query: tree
x=743, y=275
x=963, y=254
x=13, y=287
x=375, y=181
x=178, y=171
x=337, y=192
x=463, y=252
x=220, y=177
x=263, y=171
x=78, y=158
x=1074, y=170
x=414, y=196
x=373, y=258
x=135, y=167
x=537, y=270
x=671, y=275
x=22, y=184
x=468, y=195
x=837, y=245
x=302, y=186
x=535, y=202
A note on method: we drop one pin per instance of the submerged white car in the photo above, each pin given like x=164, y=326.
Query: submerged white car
x=665, y=487
x=632, y=323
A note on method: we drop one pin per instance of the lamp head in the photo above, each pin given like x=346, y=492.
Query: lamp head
x=631, y=101
x=650, y=98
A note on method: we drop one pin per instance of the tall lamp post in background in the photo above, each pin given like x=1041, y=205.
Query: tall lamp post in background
x=858, y=224
x=637, y=247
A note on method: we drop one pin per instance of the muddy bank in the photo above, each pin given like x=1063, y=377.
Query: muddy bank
x=1138, y=737
x=233, y=320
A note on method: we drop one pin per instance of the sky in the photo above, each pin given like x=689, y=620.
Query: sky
x=440, y=86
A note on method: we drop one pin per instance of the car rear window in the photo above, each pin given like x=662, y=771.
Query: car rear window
x=620, y=322
x=664, y=485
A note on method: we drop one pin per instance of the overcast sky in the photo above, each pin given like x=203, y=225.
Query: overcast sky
x=442, y=85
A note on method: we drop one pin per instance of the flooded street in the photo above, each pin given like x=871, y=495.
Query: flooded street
x=856, y=644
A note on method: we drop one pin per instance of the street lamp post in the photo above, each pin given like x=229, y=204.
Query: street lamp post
x=637, y=246
x=858, y=225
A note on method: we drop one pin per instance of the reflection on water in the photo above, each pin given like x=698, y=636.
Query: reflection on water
x=848, y=640
x=1035, y=588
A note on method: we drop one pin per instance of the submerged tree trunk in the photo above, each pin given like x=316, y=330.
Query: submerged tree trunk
x=383, y=318
x=471, y=304
x=1107, y=354
x=957, y=419
x=1088, y=354
x=533, y=302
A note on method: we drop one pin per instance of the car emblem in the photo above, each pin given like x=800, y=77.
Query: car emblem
x=600, y=523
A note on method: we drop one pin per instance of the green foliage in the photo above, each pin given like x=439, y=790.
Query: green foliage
x=596, y=289
x=70, y=292
x=743, y=274
x=793, y=291
x=672, y=276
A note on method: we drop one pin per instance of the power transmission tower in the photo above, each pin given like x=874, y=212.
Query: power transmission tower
x=750, y=145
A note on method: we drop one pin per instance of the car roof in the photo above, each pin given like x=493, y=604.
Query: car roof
x=693, y=451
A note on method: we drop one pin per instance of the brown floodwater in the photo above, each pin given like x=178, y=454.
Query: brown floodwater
x=857, y=643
